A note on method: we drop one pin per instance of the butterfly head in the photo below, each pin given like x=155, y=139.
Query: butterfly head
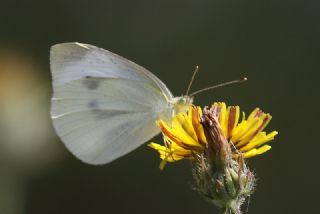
x=181, y=104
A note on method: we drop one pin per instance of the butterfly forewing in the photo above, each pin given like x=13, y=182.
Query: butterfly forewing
x=103, y=105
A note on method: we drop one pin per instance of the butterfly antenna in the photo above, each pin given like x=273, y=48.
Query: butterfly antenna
x=192, y=78
x=220, y=85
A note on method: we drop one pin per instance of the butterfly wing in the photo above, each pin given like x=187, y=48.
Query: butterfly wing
x=71, y=61
x=103, y=105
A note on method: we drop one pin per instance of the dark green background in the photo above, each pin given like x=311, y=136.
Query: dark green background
x=274, y=43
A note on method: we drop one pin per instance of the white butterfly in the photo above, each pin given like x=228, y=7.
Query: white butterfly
x=103, y=105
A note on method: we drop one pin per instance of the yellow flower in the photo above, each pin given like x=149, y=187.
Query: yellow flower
x=185, y=137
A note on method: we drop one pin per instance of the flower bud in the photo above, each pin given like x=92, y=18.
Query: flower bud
x=218, y=177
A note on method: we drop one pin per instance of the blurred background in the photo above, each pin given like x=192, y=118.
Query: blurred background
x=274, y=43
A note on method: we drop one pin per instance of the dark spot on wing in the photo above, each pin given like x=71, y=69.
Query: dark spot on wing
x=91, y=83
x=104, y=114
x=93, y=104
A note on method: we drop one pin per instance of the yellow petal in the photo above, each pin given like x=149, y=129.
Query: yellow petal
x=255, y=152
x=233, y=113
x=223, y=117
x=196, y=113
x=260, y=139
